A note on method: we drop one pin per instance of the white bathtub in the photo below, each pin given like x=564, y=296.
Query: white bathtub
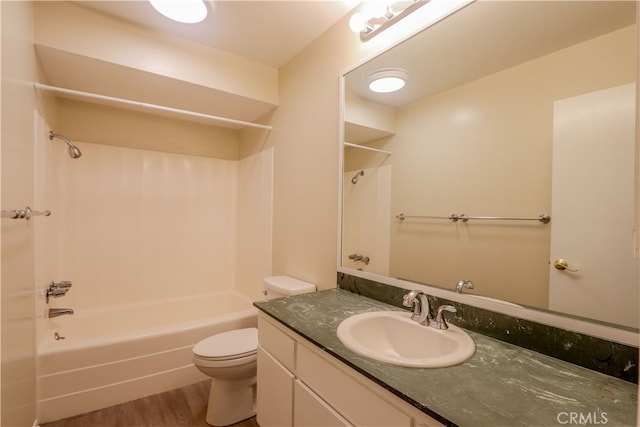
x=120, y=354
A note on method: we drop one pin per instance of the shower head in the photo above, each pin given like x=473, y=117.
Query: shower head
x=74, y=151
x=354, y=180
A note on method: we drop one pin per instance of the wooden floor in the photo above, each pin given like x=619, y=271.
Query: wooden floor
x=184, y=407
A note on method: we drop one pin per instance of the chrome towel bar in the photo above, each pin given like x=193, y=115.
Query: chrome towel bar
x=25, y=213
x=543, y=218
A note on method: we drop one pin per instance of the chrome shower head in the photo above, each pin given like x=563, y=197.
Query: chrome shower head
x=354, y=180
x=74, y=151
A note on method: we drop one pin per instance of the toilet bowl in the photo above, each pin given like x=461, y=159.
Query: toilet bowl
x=230, y=359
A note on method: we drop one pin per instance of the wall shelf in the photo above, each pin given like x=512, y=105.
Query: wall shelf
x=144, y=106
x=363, y=147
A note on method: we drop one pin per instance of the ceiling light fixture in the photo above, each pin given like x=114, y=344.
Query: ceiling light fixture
x=387, y=80
x=185, y=11
x=383, y=14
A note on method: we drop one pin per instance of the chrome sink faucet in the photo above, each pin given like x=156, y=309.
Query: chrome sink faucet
x=422, y=312
x=467, y=284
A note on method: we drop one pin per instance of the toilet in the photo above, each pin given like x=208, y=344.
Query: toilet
x=229, y=358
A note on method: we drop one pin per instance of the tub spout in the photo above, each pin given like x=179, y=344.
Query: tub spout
x=55, y=312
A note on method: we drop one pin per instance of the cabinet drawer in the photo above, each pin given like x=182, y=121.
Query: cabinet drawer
x=280, y=345
x=350, y=397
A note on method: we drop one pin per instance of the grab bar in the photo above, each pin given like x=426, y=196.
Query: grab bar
x=25, y=213
x=543, y=218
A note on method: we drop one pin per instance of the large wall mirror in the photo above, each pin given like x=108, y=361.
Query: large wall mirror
x=519, y=116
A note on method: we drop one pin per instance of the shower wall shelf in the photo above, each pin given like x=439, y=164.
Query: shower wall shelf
x=362, y=147
x=25, y=213
x=137, y=105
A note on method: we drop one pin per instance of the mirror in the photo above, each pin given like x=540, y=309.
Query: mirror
x=511, y=111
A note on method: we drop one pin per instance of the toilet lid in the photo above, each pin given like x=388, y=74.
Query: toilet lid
x=236, y=343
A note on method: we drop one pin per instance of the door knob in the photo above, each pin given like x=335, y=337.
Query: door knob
x=562, y=264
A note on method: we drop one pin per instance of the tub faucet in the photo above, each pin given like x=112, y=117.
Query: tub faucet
x=421, y=311
x=58, y=289
x=55, y=312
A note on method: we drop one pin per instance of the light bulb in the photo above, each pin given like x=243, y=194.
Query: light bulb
x=387, y=80
x=387, y=84
x=358, y=23
x=185, y=11
x=375, y=8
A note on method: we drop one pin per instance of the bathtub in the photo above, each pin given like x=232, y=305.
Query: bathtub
x=110, y=356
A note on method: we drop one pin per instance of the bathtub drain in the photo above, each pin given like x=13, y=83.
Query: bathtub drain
x=57, y=336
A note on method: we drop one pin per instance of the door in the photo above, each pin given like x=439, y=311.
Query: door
x=592, y=207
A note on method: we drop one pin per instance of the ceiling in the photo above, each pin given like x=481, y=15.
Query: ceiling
x=257, y=30
x=485, y=37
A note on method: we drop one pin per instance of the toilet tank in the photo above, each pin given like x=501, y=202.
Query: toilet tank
x=280, y=286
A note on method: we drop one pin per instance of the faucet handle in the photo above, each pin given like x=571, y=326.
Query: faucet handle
x=440, y=320
x=64, y=284
x=57, y=289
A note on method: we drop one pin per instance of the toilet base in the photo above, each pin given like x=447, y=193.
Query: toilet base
x=231, y=401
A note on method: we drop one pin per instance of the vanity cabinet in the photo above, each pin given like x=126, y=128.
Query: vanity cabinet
x=301, y=385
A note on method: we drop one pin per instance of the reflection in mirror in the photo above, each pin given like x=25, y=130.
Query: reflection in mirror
x=510, y=109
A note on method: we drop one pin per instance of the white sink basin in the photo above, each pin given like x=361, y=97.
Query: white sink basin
x=392, y=337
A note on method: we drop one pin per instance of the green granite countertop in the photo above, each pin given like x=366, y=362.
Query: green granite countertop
x=500, y=385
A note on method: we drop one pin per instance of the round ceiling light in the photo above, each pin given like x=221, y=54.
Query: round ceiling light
x=387, y=80
x=185, y=11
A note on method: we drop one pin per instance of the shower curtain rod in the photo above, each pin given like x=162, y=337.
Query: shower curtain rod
x=146, y=105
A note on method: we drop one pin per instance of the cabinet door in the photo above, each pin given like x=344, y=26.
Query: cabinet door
x=353, y=399
x=311, y=411
x=275, y=392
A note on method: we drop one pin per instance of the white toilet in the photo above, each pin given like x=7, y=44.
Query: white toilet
x=230, y=359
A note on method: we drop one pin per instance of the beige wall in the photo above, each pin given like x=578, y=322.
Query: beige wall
x=17, y=254
x=306, y=142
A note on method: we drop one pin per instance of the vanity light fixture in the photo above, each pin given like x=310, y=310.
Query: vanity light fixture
x=185, y=11
x=373, y=20
x=387, y=80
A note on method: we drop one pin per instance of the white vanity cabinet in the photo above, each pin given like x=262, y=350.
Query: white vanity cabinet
x=301, y=385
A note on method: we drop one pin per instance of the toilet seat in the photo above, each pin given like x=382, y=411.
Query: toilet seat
x=226, y=346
